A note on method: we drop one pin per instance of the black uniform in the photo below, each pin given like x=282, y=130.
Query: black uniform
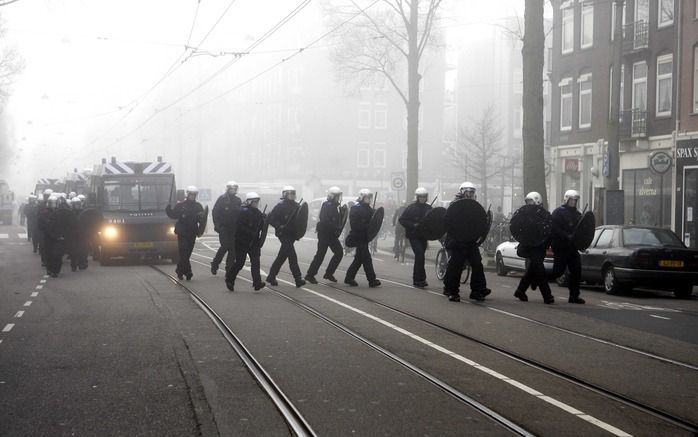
x=30, y=211
x=189, y=215
x=225, y=216
x=410, y=219
x=359, y=220
x=247, y=243
x=42, y=217
x=535, y=272
x=329, y=228
x=280, y=219
x=60, y=231
x=79, y=243
x=566, y=255
x=459, y=253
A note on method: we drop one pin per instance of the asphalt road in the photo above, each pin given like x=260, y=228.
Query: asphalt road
x=122, y=350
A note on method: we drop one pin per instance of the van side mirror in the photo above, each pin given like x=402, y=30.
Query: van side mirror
x=180, y=195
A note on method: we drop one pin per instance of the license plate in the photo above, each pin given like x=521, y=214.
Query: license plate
x=670, y=263
x=143, y=245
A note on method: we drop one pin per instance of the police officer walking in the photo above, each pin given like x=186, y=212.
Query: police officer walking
x=190, y=216
x=359, y=219
x=460, y=252
x=225, y=215
x=281, y=218
x=79, y=242
x=566, y=255
x=329, y=228
x=43, y=211
x=30, y=211
x=247, y=242
x=410, y=219
x=61, y=229
x=535, y=271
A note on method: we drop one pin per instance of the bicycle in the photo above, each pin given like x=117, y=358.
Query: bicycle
x=441, y=265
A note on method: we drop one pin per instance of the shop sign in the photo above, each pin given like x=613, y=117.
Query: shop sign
x=571, y=166
x=660, y=162
x=686, y=153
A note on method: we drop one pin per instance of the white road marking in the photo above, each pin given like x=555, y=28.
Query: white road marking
x=634, y=307
x=563, y=406
x=34, y=293
x=27, y=303
x=19, y=314
x=39, y=287
x=8, y=327
x=0, y=340
x=45, y=276
x=22, y=235
x=3, y=236
x=659, y=317
x=43, y=281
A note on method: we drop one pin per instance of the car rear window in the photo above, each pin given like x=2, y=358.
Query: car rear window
x=650, y=237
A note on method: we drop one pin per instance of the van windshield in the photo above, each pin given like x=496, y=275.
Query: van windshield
x=137, y=194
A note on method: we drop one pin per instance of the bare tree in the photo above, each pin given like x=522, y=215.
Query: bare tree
x=11, y=64
x=478, y=151
x=389, y=39
x=533, y=118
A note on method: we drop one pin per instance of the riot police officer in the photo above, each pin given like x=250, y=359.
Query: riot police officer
x=190, y=216
x=535, y=271
x=566, y=255
x=281, y=218
x=225, y=216
x=359, y=219
x=59, y=234
x=460, y=252
x=248, y=242
x=79, y=242
x=329, y=228
x=410, y=220
x=43, y=211
x=30, y=211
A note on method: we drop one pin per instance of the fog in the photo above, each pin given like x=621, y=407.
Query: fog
x=190, y=82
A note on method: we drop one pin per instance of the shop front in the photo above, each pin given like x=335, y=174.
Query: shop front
x=687, y=191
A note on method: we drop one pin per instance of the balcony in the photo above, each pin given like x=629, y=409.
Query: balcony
x=633, y=124
x=636, y=37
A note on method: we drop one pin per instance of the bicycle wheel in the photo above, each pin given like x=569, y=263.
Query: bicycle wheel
x=441, y=263
x=465, y=275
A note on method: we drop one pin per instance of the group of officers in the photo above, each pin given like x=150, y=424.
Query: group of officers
x=58, y=224
x=242, y=230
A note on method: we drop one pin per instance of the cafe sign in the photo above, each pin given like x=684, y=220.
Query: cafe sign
x=660, y=162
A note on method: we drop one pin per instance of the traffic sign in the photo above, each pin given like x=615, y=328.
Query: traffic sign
x=397, y=181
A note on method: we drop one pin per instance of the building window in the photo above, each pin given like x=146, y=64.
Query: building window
x=642, y=11
x=566, y=104
x=640, y=86
x=379, y=160
x=294, y=123
x=567, y=30
x=364, y=115
x=647, y=198
x=666, y=13
x=613, y=19
x=584, y=101
x=621, y=93
x=363, y=155
x=587, y=34
x=380, y=116
x=664, y=94
x=695, y=77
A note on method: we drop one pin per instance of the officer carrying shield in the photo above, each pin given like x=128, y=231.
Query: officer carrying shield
x=410, y=219
x=190, y=216
x=225, y=216
x=282, y=219
x=248, y=242
x=566, y=256
x=359, y=219
x=329, y=228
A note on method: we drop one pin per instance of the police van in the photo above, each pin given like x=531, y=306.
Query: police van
x=131, y=198
x=77, y=182
x=42, y=184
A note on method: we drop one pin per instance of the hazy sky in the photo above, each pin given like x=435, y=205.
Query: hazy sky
x=89, y=61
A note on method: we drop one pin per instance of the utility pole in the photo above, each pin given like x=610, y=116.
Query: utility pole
x=613, y=132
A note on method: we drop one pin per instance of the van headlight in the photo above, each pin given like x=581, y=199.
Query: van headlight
x=171, y=230
x=110, y=232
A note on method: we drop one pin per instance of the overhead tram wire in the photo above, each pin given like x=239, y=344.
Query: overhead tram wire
x=220, y=71
x=296, y=53
x=181, y=59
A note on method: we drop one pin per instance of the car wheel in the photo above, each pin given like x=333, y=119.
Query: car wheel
x=610, y=281
x=501, y=268
x=685, y=291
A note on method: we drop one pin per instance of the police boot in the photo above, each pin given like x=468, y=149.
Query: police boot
x=214, y=269
x=576, y=299
x=549, y=299
x=521, y=295
x=330, y=277
x=272, y=280
x=189, y=276
x=351, y=282
x=300, y=282
x=230, y=284
x=311, y=279
x=374, y=284
x=259, y=286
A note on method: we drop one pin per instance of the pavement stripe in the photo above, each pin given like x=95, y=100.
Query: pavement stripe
x=659, y=317
x=43, y=281
x=3, y=236
x=27, y=303
x=8, y=327
x=22, y=235
x=563, y=406
x=45, y=276
x=34, y=294
x=39, y=287
x=19, y=314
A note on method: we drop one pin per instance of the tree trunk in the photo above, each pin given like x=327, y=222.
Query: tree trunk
x=533, y=130
x=413, y=102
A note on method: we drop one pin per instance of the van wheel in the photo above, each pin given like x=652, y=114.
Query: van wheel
x=501, y=268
